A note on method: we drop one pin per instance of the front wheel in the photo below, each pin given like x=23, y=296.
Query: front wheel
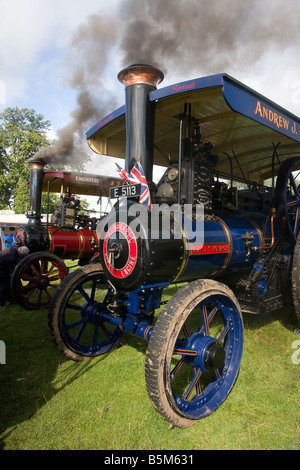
x=194, y=353
x=79, y=314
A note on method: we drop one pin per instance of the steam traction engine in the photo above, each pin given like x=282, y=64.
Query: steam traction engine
x=69, y=234
x=237, y=249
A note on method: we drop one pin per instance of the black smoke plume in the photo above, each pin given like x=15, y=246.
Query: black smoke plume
x=85, y=66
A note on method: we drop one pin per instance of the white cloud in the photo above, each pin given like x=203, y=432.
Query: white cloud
x=31, y=28
x=277, y=79
x=51, y=134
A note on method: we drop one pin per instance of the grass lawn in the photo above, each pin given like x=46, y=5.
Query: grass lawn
x=49, y=402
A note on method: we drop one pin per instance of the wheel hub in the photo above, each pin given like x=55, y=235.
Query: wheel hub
x=210, y=354
x=214, y=356
x=43, y=282
x=93, y=312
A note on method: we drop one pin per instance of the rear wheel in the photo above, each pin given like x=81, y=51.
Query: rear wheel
x=194, y=352
x=288, y=198
x=296, y=278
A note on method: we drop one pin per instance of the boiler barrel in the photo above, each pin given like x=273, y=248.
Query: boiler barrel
x=132, y=258
x=72, y=244
x=231, y=243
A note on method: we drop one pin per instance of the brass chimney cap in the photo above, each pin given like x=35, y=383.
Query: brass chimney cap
x=140, y=73
x=36, y=163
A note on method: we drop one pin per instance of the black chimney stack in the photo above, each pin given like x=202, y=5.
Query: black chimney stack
x=33, y=234
x=139, y=81
x=35, y=196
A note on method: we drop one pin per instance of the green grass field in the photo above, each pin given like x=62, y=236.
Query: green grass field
x=49, y=402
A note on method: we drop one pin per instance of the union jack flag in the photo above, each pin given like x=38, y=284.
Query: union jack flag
x=122, y=173
x=137, y=176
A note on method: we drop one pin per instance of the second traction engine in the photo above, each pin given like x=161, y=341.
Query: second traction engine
x=68, y=235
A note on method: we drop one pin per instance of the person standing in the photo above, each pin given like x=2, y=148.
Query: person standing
x=9, y=259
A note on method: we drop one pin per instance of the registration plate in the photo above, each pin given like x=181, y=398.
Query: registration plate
x=130, y=190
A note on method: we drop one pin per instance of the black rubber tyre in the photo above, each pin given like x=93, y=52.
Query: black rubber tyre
x=287, y=199
x=201, y=317
x=75, y=318
x=296, y=278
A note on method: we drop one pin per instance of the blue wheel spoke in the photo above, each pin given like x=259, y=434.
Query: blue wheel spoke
x=177, y=368
x=184, y=352
x=185, y=331
x=293, y=184
x=95, y=337
x=209, y=319
x=84, y=294
x=105, y=330
x=70, y=326
x=223, y=334
x=205, y=320
x=198, y=385
x=296, y=224
x=93, y=289
x=193, y=384
x=292, y=202
x=80, y=331
x=74, y=307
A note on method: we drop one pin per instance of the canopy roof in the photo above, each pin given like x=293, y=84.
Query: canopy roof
x=79, y=183
x=240, y=123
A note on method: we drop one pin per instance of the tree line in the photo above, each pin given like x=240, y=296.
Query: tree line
x=23, y=132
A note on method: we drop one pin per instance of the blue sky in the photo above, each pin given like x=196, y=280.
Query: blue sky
x=38, y=58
